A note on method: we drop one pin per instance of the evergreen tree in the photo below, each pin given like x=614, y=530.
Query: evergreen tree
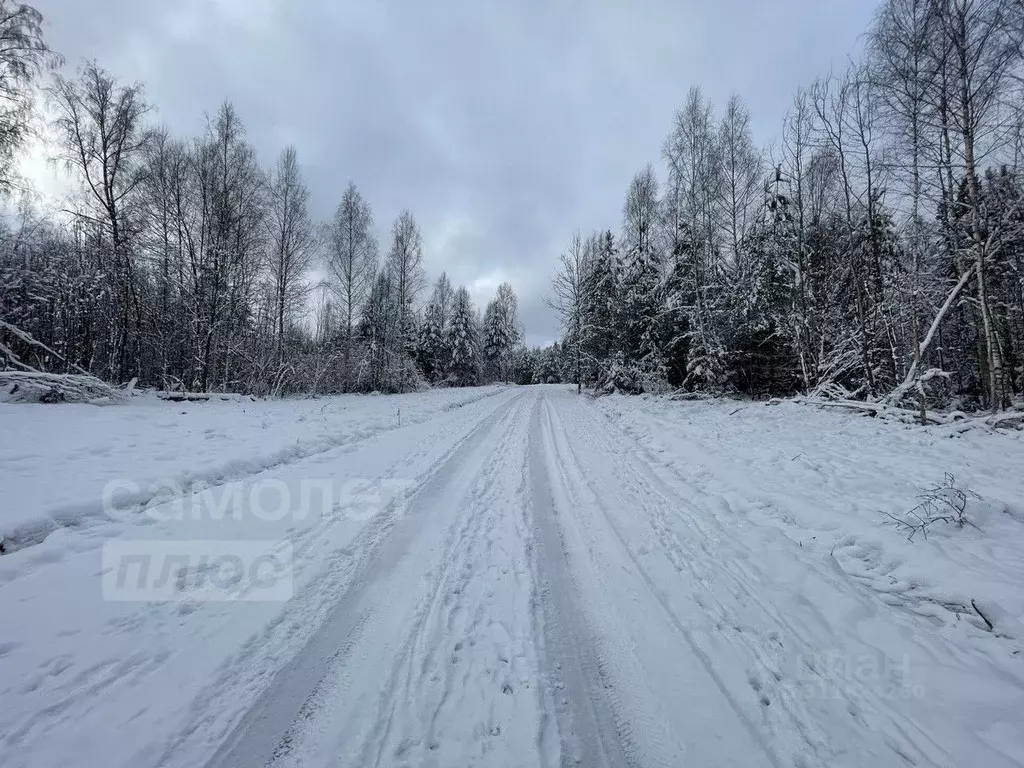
x=501, y=334
x=547, y=368
x=431, y=350
x=523, y=366
x=675, y=317
x=462, y=342
x=600, y=302
x=641, y=296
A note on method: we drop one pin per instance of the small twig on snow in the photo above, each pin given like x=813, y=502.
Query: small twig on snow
x=977, y=610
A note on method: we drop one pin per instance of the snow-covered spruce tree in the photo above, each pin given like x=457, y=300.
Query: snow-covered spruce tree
x=762, y=358
x=443, y=298
x=676, y=311
x=513, y=331
x=431, y=352
x=462, y=341
x=493, y=342
x=546, y=365
x=376, y=331
x=523, y=366
x=600, y=307
x=384, y=363
x=641, y=297
x=501, y=334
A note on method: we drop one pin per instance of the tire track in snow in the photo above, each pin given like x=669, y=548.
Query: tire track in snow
x=346, y=698
x=155, y=491
x=670, y=705
x=258, y=731
x=588, y=728
x=460, y=664
x=741, y=578
x=238, y=682
x=730, y=595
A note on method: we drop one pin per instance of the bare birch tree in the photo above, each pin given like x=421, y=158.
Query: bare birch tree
x=293, y=243
x=351, y=262
x=405, y=266
x=103, y=138
x=567, y=299
x=24, y=55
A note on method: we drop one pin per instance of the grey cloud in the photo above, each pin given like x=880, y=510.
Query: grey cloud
x=502, y=125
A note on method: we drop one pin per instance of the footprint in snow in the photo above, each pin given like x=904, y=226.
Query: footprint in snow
x=6, y=648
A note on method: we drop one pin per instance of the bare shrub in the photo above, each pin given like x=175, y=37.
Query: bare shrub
x=942, y=504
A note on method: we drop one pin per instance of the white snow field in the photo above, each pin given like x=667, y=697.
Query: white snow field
x=504, y=577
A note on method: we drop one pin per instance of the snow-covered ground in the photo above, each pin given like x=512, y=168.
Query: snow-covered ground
x=58, y=462
x=504, y=577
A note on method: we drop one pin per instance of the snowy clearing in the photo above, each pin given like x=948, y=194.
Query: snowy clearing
x=154, y=450
x=507, y=577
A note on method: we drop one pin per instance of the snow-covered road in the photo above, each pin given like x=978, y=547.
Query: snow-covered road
x=539, y=579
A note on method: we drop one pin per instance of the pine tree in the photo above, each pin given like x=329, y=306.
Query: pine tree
x=524, y=364
x=501, y=334
x=675, y=316
x=462, y=341
x=641, y=295
x=431, y=350
x=494, y=342
x=600, y=300
x=547, y=369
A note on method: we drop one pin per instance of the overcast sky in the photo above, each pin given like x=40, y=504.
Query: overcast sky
x=503, y=125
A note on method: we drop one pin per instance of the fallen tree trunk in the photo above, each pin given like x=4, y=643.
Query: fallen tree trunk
x=912, y=379
x=36, y=387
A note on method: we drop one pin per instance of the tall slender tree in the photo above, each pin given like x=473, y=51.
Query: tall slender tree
x=102, y=141
x=293, y=242
x=351, y=263
x=463, y=342
x=24, y=56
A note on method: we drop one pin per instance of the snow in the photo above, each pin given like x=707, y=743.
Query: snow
x=153, y=449
x=794, y=499
x=506, y=577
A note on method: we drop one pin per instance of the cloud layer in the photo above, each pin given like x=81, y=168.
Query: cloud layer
x=503, y=126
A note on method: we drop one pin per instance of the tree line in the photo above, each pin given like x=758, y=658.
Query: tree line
x=184, y=263
x=875, y=252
